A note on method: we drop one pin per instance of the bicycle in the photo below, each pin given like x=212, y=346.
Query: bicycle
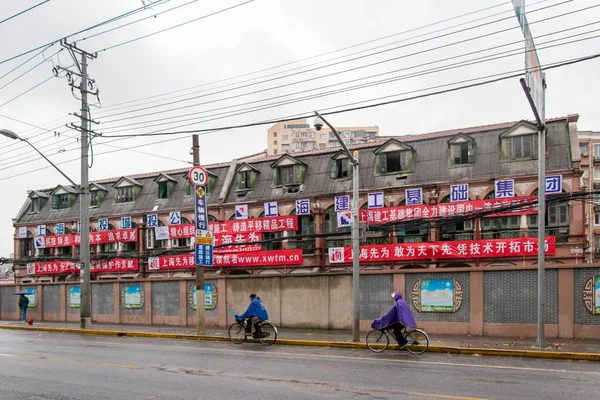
x=267, y=336
x=417, y=341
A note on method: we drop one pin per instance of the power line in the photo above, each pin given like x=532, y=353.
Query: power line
x=335, y=51
x=176, y=26
x=206, y=131
x=474, y=12
x=443, y=68
x=24, y=11
x=358, y=58
x=118, y=17
x=356, y=108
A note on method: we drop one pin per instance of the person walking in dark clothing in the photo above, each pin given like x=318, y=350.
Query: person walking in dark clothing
x=23, y=304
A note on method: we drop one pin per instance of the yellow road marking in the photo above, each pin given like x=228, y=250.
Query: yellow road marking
x=68, y=360
x=443, y=396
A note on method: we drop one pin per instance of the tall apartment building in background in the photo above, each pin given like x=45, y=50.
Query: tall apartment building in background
x=300, y=135
x=589, y=149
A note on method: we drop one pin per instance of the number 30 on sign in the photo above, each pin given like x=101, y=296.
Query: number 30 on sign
x=198, y=176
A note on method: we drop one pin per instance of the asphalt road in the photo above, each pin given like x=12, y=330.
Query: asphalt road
x=48, y=366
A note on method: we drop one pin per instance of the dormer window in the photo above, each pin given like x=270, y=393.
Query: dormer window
x=462, y=150
x=288, y=175
x=246, y=178
x=127, y=190
x=94, y=198
x=60, y=201
x=97, y=194
x=165, y=186
x=394, y=157
x=63, y=197
x=125, y=194
x=38, y=201
x=520, y=142
x=288, y=171
x=340, y=167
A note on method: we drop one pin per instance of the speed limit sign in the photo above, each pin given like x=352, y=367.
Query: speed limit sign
x=198, y=176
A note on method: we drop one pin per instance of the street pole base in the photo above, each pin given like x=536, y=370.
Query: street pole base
x=540, y=343
x=85, y=322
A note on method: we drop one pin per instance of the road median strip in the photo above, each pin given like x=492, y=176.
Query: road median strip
x=580, y=356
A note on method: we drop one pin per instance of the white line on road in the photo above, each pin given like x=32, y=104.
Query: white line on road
x=279, y=354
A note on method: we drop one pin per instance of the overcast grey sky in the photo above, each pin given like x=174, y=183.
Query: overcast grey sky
x=260, y=35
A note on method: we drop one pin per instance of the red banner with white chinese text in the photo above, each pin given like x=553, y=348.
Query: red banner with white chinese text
x=62, y=267
x=267, y=258
x=231, y=227
x=459, y=249
x=236, y=243
x=99, y=237
x=432, y=211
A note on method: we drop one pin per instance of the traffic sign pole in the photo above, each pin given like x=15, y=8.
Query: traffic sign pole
x=198, y=175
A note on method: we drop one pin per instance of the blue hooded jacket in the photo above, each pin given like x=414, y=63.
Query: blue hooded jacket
x=255, y=309
x=399, y=313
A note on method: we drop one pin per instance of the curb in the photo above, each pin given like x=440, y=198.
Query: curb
x=321, y=343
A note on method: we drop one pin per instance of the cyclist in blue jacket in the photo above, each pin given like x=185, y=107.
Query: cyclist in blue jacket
x=255, y=313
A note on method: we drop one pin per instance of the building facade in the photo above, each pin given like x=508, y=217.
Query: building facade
x=299, y=136
x=589, y=148
x=454, y=208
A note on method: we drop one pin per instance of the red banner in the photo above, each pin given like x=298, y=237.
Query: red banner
x=99, y=237
x=268, y=258
x=247, y=259
x=432, y=211
x=459, y=249
x=272, y=224
x=226, y=240
x=232, y=227
x=62, y=267
x=182, y=231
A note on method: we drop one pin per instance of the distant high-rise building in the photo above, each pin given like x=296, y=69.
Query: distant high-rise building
x=299, y=135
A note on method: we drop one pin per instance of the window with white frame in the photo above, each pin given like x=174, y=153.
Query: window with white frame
x=596, y=173
x=597, y=219
x=597, y=150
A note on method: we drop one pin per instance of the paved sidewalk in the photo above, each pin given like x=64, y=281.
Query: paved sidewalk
x=555, y=345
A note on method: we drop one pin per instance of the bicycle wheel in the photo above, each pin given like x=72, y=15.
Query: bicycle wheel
x=268, y=333
x=418, y=342
x=377, y=341
x=237, y=333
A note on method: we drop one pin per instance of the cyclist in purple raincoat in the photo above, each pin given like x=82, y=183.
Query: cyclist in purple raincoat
x=398, y=318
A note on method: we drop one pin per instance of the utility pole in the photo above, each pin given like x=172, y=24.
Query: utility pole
x=352, y=159
x=200, y=312
x=534, y=86
x=84, y=193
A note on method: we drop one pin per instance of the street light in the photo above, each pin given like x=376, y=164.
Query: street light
x=84, y=254
x=11, y=135
x=352, y=158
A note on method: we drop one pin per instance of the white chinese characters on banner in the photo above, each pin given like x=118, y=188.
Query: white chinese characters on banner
x=271, y=209
x=375, y=200
x=303, y=207
x=241, y=211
